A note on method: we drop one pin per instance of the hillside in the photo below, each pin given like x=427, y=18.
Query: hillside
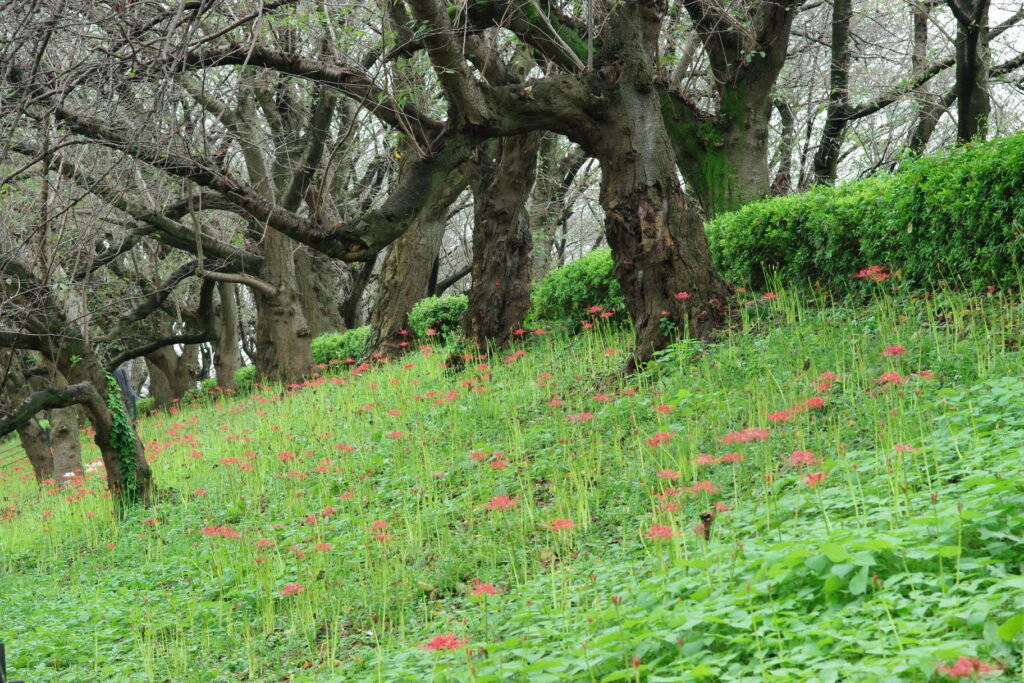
x=831, y=492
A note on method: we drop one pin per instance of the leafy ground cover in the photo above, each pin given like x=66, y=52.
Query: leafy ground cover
x=832, y=492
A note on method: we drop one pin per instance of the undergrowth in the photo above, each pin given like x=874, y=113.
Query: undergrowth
x=829, y=492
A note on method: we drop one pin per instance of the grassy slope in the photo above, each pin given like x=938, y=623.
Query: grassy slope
x=902, y=559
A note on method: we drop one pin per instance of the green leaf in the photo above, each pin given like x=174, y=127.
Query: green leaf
x=859, y=582
x=835, y=552
x=1012, y=627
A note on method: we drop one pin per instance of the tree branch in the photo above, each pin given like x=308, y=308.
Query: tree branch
x=46, y=399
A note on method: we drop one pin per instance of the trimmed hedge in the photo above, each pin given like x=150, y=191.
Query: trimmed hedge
x=955, y=216
x=442, y=314
x=566, y=293
x=340, y=346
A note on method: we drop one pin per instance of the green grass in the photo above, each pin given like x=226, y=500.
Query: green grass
x=907, y=555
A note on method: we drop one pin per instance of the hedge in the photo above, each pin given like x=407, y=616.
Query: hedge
x=954, y=216
x=565, y=294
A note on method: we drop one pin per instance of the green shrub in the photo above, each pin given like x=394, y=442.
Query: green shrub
x=208, y=385
x=565, y=295
x=952, y=216
x=145, y=405
x=443, y=314
x=340, y=346
x=245, y=377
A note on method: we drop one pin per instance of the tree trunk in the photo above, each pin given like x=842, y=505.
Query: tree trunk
x=662, y=259
x=64, y=445
x=282, y=332
x=172, y=376
x=226, y=358
x=34, y=443
x=826, y=160
x=348, y=309
x=316, y=278
x=502, y=246
x=783, y=182
x=972, y=105
x=405, y=274
x=548, y=211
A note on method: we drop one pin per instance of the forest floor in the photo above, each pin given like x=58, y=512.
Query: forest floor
x=832, y=492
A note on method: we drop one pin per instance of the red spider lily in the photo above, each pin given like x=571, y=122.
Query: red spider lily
x=324, y=547
x=579, y=417
x=732, y=457
x=705, y=459
x=891, y=351
x=967, y=667
x=445, y=641
x=660, y=532
x=876, y=273
x=663, y=410
x=659, y=438
x=501, y=503
x=802, y=458
x=561, y=524
x=771, y=295
x=668, y=474
x=906, y=448
x=780, y=416
x=683, y=296
x=292, y=589
x=925, y=374
x=703, y=487
x=814, y=403
x=220, y=532
x=891, y=377
x=814, y=478
x=746, y=436
x=481, y=589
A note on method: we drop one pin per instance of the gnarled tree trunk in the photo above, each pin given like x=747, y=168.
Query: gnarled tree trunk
x=502, y=245
x=283, y=334
x=405, y=274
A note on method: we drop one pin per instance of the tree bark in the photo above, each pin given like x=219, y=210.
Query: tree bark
x=826, y=160
x=972, y=105
x=662, y=259
x=172, y=376
x=283, y=334
x=34, y=443
x=502, y=246
x=405, y=274
x=226, y=358
x=316, y=278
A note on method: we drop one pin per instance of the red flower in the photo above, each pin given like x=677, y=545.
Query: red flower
x=966, y=667
x=705, y=459
x=703, y=487
x=664, y=410
x=519, y=332
x=683, y=296
x=480, y=588
x=876, y=273
x=891, y=351
x=800, y=458
x=814, y=478
x=561, y=524
x=780, y=416
x=378, y=525
x=925, y=374
x=668, y=474
x=891, y=377
x=396, y=434
x=431, y=332
x=660, y=532
x=659, y=438
x=746, y=436
x=579, y=417
x=771, y=295
x=732, y=457
x=323, y=547
x=292, y=589
x=501, y=503
x=445, y=641
x=594, y=310
x=814, y=403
